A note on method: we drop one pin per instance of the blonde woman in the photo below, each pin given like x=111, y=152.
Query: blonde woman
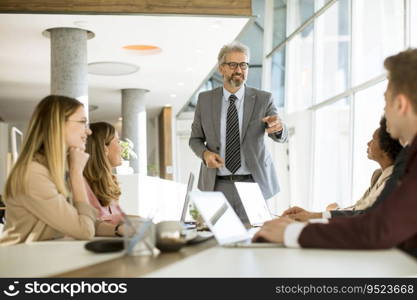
x=40, y=205
x=102, y=187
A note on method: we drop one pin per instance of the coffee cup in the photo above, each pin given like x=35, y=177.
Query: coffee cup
x=170, y=235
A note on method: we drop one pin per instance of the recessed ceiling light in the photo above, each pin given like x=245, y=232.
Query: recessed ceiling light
x=199, y=51
x=112, y=68
x=120, y=119
x=143, y=49
x=181, y=83
x=173, y=96
x=189, y=69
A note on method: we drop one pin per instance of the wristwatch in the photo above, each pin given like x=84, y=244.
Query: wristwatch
x=116, y=230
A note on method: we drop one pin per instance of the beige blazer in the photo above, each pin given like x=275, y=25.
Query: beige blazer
x=379, y=178
x=44, y=213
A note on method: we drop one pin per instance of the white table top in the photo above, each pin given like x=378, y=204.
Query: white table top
x=42, y=259
x=49, y=258
x=286, y=262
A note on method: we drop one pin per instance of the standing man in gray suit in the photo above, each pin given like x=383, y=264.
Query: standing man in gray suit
x=229, y=128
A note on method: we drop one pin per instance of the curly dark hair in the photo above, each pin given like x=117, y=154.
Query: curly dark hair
x=386, y=142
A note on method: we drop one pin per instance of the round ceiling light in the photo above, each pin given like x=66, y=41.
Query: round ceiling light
x=143, y=49
x=112, y=68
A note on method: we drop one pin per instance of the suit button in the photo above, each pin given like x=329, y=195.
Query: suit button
x=217, y=148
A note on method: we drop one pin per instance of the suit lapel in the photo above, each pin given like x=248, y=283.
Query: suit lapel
x=248, y=106
x=217, y=97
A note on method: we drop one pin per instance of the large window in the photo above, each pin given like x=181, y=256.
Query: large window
x=300, y=154
x=300, y=74
x=280, y=21
x=376, y=35
x=278, y=77
x=298, y=12
x=332, y=40
x=320, y=4
x=331, y=180
x=413, y=23
x=329, y=73
x=369, y=108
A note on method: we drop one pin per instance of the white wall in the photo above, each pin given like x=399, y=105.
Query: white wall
x=186, y=160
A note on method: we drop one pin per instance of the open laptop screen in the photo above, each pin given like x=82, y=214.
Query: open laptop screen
x=187, y=197
x=254, y=203
x=219, y=217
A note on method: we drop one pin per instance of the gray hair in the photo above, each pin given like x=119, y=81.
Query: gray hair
x=232, y=47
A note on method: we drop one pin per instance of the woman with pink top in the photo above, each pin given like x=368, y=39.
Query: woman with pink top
x=102, y=187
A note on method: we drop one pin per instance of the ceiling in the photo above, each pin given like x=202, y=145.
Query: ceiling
x=189, y=49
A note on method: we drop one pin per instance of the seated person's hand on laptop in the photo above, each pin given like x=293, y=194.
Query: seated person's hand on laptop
x=332, y=206
x=300, y=214
x=272, y=231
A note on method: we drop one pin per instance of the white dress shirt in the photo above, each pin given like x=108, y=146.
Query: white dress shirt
x=293, y=231
x=240, y=94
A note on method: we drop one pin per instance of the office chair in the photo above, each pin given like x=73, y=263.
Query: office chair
x=2, y=211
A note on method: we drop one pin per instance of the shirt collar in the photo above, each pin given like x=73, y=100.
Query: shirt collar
x=387, y=172
x=239, y=94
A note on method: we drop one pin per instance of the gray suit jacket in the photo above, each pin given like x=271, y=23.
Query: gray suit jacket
x=205, y=135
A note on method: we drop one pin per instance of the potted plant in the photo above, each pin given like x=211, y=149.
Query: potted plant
x=127, y=149
x=127, y=154
x=194, y=213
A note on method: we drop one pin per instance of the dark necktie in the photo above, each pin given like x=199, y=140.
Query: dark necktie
x=232, y=137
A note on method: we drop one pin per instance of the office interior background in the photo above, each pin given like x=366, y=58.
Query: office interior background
x=322, y=61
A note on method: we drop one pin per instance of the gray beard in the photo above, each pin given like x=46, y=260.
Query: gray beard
x=236, y=82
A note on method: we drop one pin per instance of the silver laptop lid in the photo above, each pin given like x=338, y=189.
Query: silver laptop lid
x=219, y=217
x=187, y=197
x=254, y=203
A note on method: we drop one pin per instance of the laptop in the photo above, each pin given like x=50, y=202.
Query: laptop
x=192, y=235
x=187, y=198
x=222, y=220
x=254, y=203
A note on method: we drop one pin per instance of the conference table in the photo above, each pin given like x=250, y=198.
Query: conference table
x=207, y=259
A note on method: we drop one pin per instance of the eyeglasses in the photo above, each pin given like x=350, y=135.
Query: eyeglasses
x=233, y=65
x=86, y=124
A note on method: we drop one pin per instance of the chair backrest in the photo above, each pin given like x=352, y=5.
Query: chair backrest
x=2, y=211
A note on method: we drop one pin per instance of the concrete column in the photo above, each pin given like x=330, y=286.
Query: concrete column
x=69, y=62
x=134, y=126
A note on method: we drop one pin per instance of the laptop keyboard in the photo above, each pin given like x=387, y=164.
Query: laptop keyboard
x=200, y=237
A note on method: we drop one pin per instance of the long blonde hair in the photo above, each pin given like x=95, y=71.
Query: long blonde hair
x=98, y=170
x=46, y=136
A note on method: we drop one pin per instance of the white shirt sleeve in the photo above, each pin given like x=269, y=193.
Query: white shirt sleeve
x=326, y=215
x=323, y=221
x=292, y=232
